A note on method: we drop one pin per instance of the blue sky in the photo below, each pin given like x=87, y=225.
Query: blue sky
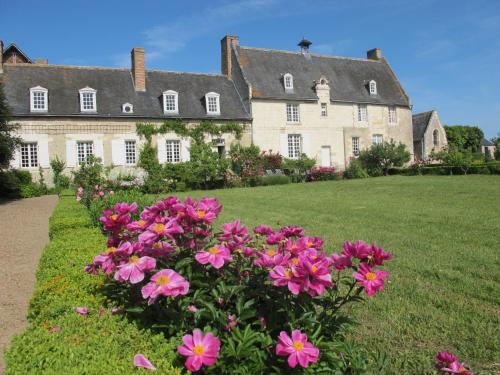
x=445, y=52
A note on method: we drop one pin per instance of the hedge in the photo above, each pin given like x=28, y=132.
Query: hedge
x=91, y=344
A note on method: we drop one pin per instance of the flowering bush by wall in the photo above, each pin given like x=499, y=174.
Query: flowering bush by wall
x=237, y=302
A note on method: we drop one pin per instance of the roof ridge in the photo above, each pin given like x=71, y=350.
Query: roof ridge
x=423, y=113
x=310, y=54
x=66, y=66
x=193, y=73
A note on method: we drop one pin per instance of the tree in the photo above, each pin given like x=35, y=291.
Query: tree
x=462, y=160
x=381, y=157
x=496, y=141
x=8, y=142
x=462, y=137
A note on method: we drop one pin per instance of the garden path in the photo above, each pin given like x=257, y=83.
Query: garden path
x=24, y=231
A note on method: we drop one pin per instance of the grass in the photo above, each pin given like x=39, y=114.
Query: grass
x=444, y=232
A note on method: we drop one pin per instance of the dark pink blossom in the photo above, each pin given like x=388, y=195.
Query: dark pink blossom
x=297, y=349
x=372, y=280
x=200, y=350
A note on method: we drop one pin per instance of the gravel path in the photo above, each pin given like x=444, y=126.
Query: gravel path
x=24, y=231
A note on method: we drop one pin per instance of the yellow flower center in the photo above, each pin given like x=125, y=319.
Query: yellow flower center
x=114, y=217
x=111, y=250
x=213, y=250
x=157, y=245
x=289, y=273
x=309, y=244
x=298, y=345
x=200, y=214
x=134, y=259
x=162, y=280
x=158, y=227
x=198, y=350
x=314, y=268
x=141, y=223
x=370, y=276
x=295, y=261
x=271, y=253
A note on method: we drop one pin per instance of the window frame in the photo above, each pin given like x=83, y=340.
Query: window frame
x=377, y=139
x=175, y=95
x=216, y=96
x=435, y=138
x=372, y=87
x=170, y=155
x=85, y=91
x=129, y=153
x=45, y=94
x=362, y=113
x=324, y=110
x=31, y=154
x=393, y=119
x=294, y=146
x=355, y=145
x=86, y=152
x=125, y=105
x=293, y=117
x=288, y=81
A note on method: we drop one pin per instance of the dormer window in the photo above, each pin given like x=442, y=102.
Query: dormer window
x=39, y=99
x=127, y=108
x=88, y=101
x=288, y=82
x=170, y=102
x=212, y=103
x=373, y=87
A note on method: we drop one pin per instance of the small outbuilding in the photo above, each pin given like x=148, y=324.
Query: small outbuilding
x=488, y=148
x=428, y=134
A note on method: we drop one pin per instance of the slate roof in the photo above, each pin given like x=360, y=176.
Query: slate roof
x=420, y=123
x=114, y=88
x=487, y=142
x=348, y=77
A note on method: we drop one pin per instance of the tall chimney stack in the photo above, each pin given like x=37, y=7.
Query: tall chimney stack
x=1, y=56
x=226, y=46
x=374, y=54
x=138, y=71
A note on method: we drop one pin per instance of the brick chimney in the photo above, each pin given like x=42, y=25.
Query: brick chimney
x=226, y=43
x=1, y=56
x=138, y=71
x=374, y=54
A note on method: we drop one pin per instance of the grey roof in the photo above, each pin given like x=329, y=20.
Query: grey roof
x=114, y=88
x=487, y=142
x=420, y=123
x=348, y=77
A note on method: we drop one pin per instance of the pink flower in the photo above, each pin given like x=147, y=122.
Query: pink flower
x=82, y=310
x=443, y=359
x=263, y=230
x=134, y=269
x=372, y=280
x=270, y=258
x=54, y=329
x=102, y=312
x=157, y=230
x=456, y=368
x=216, y=256
x=292, y=231
x=200, y=350
x=101, y=193
x=314, y=274
x=284, y=277
x=192, y=308
x=166, y=282
x=297, y=348
x=141, y=361
x=115, y=310
x=341, y=262
x=358, y=249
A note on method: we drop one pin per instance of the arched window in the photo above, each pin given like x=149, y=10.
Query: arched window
x=435, y=137
x=288, y=81
x=88, y=99
x=39, y=99
x=373, y=87
x=170, y=102
x=212, y=103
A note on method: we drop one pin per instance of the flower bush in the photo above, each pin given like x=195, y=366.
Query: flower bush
x=322, y=174
x=241, y=302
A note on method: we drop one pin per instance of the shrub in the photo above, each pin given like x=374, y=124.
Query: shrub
x=275, y=179
x=11, y=182
x=298, y=168
x=322, y=174
x=249, y=301
x=379, y=158
x=271, y=161
x=247, y=163
x=33, y=189
x=89, y=177
x=355, y=169
x=58, y=166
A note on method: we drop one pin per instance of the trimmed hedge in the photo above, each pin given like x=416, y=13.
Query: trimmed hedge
x=91, y=344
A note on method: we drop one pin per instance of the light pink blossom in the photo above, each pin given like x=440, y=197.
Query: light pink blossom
x=141, y=361
x=167, y=283
x=133, y=271
x=217, y=256
x=297, y=348
x=200, y=350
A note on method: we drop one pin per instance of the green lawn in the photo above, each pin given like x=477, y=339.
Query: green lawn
x=444, y=232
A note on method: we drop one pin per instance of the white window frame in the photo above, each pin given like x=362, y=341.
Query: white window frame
x=29, y=155
x=85, y=91
x=45, y=95
x=362, y=113
x=125, y=105
x=355, y=146
x=130, y=155
x=84, y=151
x=294, y=146
x=393, y=115
x=292, y=113
x=377, y=139
x=288, y=82
x=175, y=95
x=173, y=151
x=372, y=86
x=324, y=110
x=208, y=97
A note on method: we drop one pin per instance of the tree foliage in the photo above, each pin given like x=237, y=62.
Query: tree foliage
x=379, y=158
x=462, y=137
x=8, y=141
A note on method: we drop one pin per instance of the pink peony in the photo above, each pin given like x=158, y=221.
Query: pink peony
x=456, y=368
x=216, y=256
x=341, y=262
x=372, y=280
x=166, y=282
x=141, y=361
x=134, y=269
x=200, y=350
x=443, y=359
x=82, y=310
x=263, y=230
x=297, y=348
x=284, y=277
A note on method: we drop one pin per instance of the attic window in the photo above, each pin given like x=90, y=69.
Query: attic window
x=39, y=99
x=212, y=103
x=88, y=101
x=127, y=108
x=373, y=87
x=288, y=82
x=170, y=102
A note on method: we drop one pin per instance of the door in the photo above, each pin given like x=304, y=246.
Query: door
x=325, y=156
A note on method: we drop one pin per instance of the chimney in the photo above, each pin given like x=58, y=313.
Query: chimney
x=226, y=43
x=1, y=56
x=374, y=54
x=41, y=61
x=138, y=71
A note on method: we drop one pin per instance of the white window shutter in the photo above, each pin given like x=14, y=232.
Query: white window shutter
x=162, y=150
x=185, y=154
x=118, y=151
x=99, y=150
x=284, y=145
x=306, y=146
x=43, y=153
x=71, y=158
x=15, y=162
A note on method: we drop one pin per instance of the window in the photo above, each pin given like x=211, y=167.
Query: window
x=377, y=139
x=392, y=115
x=39, y=99
x=355, y=146
x=212, y=103
x=130, y=155
x=127, y=108
x=373, y=87
x=435, y=137
x=362, y=113
x=324, y=112
x=170, y=102
x=29, y=155
x=173, y=150
x=84, y=151
x=292, y=113
x=88, y=100
x=294, y=146
x=288, y=81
